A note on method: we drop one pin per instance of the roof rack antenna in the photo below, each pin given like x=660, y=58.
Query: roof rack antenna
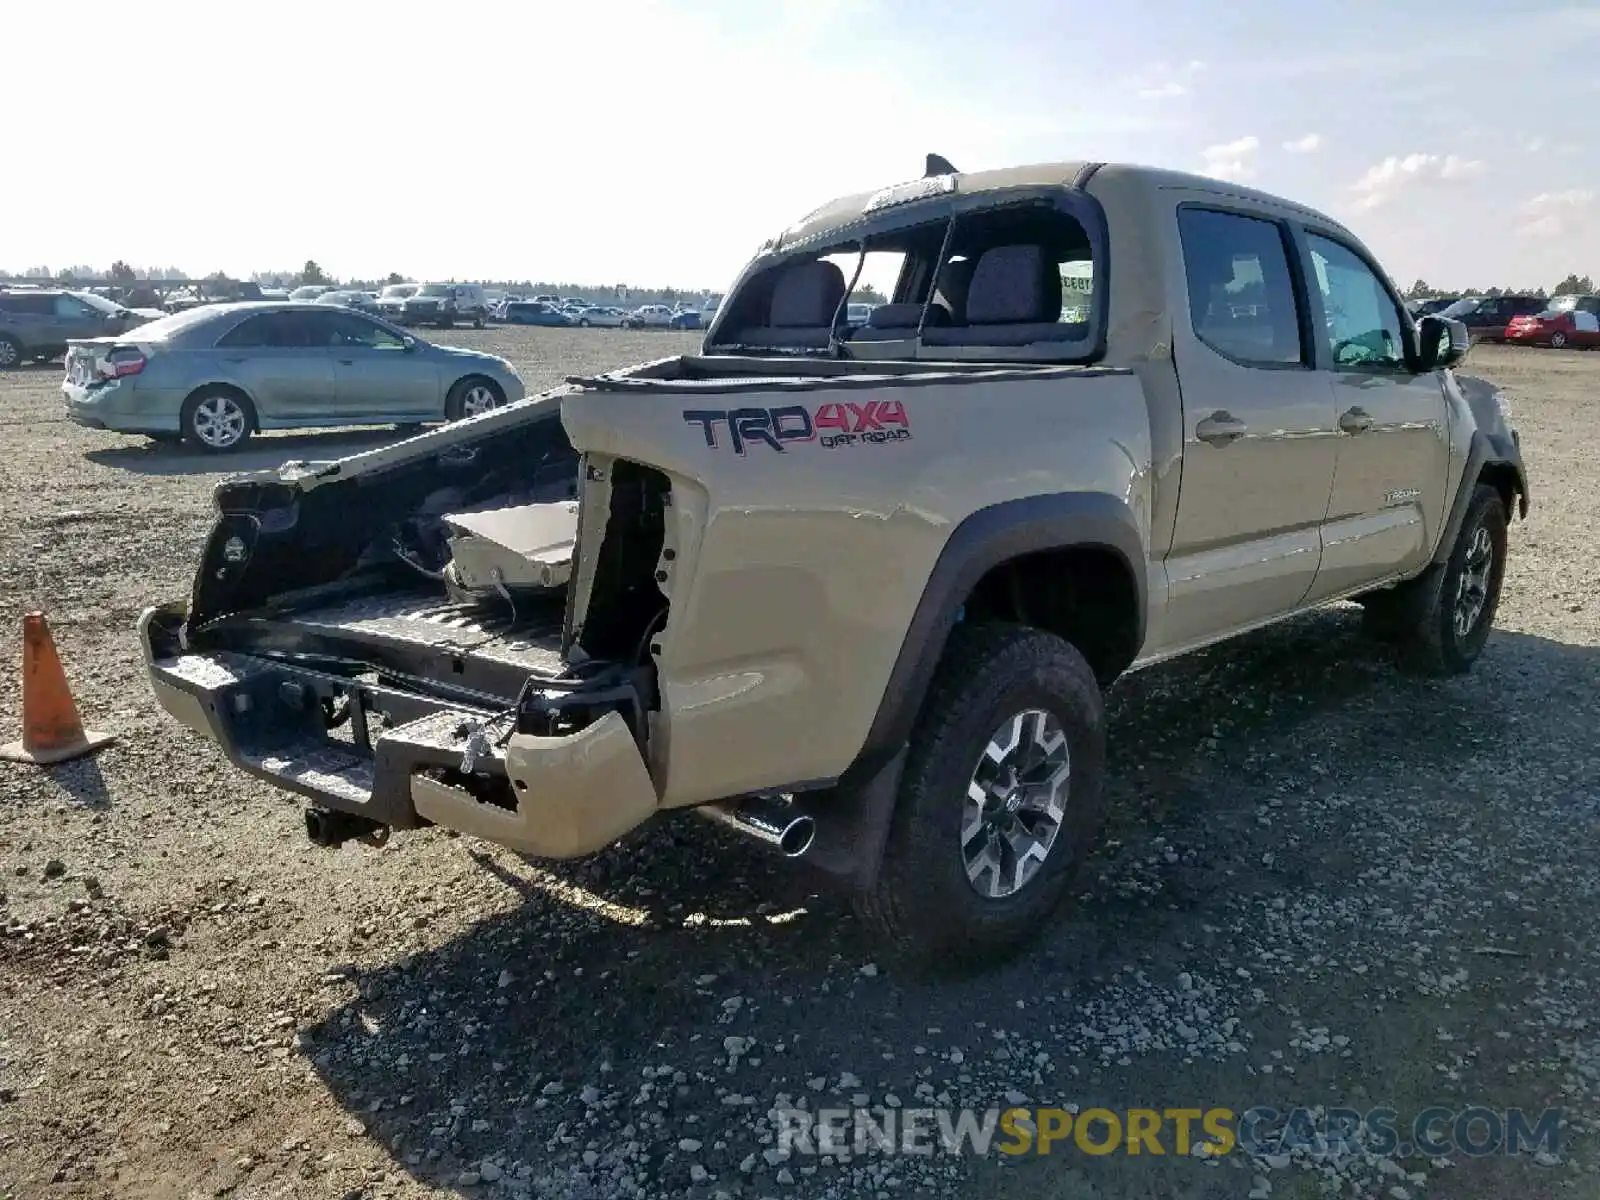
x=939, y=165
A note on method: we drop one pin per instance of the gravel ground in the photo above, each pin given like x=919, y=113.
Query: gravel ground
x=1325, y=884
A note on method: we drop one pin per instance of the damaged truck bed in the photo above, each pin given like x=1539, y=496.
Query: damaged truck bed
x=438, y=632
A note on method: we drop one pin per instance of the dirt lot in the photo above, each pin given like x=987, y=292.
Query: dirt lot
x=1325, y=884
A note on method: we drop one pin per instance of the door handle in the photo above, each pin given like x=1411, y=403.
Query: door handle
x=1355, y=420
x=1220, y=428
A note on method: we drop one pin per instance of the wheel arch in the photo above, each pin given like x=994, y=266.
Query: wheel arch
x=1036, y=535
x=1495, y=459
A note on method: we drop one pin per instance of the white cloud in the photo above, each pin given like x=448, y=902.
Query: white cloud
x=1309, y=144
x=1396, y=174
x=1166, y=81
x=1170, y=90
x=1554, y=214
x=1235, y=160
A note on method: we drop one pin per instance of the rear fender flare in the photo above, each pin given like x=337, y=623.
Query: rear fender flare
x=983, y=540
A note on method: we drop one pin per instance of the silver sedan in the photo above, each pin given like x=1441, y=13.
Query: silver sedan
x=214, y=375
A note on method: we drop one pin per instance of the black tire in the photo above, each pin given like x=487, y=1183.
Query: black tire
x=477, y=321
x=1558, y=340
x=447, y=323
x=207, y=399
x=583, y=322
x=923, y=901
x=1420, y=616
x=455, y=403
x=11, y=354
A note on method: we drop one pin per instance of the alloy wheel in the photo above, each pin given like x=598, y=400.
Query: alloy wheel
x=479, y=398
x=219, y=421
x=1015, y=802
x=1472, y=588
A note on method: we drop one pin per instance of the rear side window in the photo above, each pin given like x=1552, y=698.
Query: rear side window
x=278, y=331
x=33, y=304
x=1241, y=293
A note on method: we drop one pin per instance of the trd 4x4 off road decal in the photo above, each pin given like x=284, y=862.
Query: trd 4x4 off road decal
x=830, y=426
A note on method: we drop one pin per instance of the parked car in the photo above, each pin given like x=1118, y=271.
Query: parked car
x=534, y=312
x=214, y=375
x=1326, y=447
x=310, y=291
x=225, y=291
x=366, y=302
x=1430, y=306
x=37, y=323
x=1488, y=317
x=1565, y=321
x=686, y=318
x=601, y=315
x=393, y=297
x=444, y=304
x=858, y=314
x=652, y=316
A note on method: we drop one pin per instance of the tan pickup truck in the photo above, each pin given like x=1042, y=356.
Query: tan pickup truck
x=857, y=590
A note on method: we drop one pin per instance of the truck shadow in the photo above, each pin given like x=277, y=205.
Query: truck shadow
x=654, y=961
x=266, y=452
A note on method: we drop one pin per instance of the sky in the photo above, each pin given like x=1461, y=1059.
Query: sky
x=659, y=142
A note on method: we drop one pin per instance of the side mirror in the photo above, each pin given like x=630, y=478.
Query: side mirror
x=1441, y=342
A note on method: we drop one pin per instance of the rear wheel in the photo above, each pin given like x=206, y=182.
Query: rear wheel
x=1558, y=340
x=10, y=352
x=477, y=321
x=472, y=396
x=217, y=420
x=1000, y=801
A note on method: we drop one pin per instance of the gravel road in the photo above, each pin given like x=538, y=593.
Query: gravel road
x=1325, y=884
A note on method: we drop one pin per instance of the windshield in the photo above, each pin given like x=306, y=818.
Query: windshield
x=435, y=289
x=398, y=291
x=309, y=292
x=1561, y=304
x=1459, y=309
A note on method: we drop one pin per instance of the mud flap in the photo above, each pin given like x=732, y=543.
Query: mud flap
x=853, y=827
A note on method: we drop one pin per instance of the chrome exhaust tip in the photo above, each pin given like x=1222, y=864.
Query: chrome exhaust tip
x=772, y=820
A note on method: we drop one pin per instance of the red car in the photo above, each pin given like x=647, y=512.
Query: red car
x=1568, y=321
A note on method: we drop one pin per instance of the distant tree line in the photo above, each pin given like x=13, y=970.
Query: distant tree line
x=1572, y=284
x=312, y=272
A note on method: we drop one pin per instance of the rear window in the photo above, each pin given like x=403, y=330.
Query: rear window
x=1011, y=277
x=435, y=289
x=164, y=328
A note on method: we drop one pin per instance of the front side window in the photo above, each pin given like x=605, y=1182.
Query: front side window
x=351, y=330
x=1363, y=323
x=1241, y=293
x=71, y=308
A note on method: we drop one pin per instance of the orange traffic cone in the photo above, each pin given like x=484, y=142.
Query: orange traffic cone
x=51, y=730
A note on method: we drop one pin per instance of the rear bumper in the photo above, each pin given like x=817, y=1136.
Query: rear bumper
x=122, y=408
x=567, y=796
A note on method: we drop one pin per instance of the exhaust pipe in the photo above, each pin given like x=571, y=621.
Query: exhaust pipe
x=772, y=820
x=332, y=829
